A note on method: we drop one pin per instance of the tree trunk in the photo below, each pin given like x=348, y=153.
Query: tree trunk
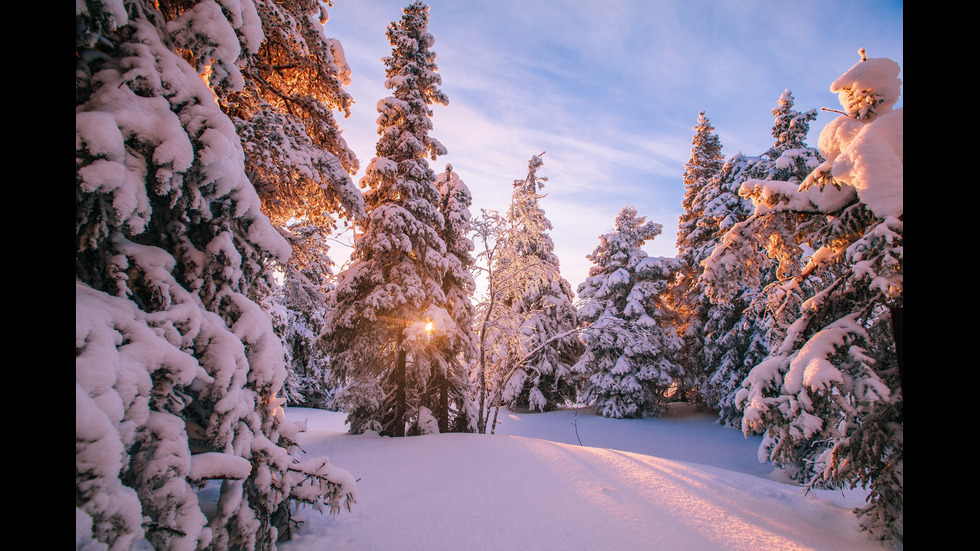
x=493, y=426
x=898, y=329
x=444, y=404
x=481, y=420
x=400, y=394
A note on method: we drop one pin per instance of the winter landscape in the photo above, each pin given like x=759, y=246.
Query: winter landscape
x=690, y=484
x=402, y=312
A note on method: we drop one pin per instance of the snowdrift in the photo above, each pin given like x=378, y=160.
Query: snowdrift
x=512, y=491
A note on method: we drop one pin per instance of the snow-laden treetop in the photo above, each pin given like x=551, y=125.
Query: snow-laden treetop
x=864, y=149
x=870, y=88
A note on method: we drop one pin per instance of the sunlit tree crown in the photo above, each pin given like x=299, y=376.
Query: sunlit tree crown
x=790, y=127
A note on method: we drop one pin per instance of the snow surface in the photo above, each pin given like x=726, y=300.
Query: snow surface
x=676, y=482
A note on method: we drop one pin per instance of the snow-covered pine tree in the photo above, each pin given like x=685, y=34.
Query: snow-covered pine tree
x=739, y=327
x=731, y=332
x=544, y=376
x=697, y=233
x=454, y=409
x=790, y=127
x=628, y=351
x=177, y=367
x=299, y=310
x=829, y=397
x=706, y=161
x=301, y=168
x=394, y=286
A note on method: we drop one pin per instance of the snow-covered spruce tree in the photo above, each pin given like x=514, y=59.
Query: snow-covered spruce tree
x=396, y=282
x=451, y=385
x=731, y=335
x=301, y=168
x=299, y=309
x=628, y=352
x=178, y=369
x=790, y=127
x=697, y=234
x=543, y=376
x=747, y=320
x=739, y=326
x=829, y=397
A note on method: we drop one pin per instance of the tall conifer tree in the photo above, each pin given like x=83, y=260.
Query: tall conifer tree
x=454, y=409
x=696, y=237
x=177, y=369
x=730, y=333
x=542, y=301
x=629, y=347
x=384, y=348
x=829, y=395
x=739, y=327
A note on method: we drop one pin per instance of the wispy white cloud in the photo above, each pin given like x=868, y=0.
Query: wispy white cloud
x=611, y=91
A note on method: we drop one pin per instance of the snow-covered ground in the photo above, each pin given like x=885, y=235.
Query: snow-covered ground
x=678, y=482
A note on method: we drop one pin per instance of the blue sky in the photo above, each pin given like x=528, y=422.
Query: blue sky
x=611, y=91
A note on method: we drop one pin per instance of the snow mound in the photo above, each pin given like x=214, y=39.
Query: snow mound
x=470, y=491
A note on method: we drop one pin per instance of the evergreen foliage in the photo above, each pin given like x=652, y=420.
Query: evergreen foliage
x=695, y=236
x=299, y=312
x=401, y=277
x=628, y=347
x=697, y=232
x=790, y=127
x=294, y=152
x=739, y=327
x=829, y=395
x=301, y=167
x=735, y=334
x=211, y=172
x=543, y=375
x=178, y=369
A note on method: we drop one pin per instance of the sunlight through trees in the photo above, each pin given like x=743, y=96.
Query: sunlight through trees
x=212, y=174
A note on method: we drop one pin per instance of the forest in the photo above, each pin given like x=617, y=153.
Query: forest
x=211, y=173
